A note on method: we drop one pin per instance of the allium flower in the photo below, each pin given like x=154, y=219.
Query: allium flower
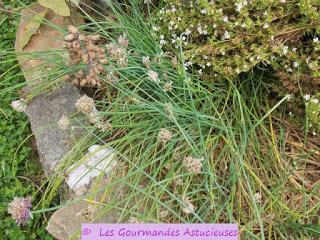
x=123, y=41
x=153, y=75
x=134, y=220
x=188, y=206
x=64, y=123
x=193, y=165
x=164, y=213
x=258, y=197
x=167, y=87
x=104, y=125
x=93, y=116
x=164, y=135
x=85, y=104
x=19, y=105
x=146, y=62
x=19, y=209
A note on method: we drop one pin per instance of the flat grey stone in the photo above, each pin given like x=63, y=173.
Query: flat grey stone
x=44, y=112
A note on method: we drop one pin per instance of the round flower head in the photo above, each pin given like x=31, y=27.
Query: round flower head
x=85, y=104
x=19, y=209
x=146, y=62
x=164, y=135
x=64, y=123
x=193, y=165
x=19, y=105
x=153, y=76
x=188, y=206
x=167, y=87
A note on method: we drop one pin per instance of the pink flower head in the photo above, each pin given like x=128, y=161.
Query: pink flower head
x=19, y=209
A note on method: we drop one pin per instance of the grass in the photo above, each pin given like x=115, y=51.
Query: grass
x=258, y=170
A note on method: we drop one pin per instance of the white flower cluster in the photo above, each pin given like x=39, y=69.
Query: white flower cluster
x=192, y=164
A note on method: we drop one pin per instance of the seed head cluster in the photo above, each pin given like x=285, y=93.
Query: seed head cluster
x=84, y=48
x=87, y=49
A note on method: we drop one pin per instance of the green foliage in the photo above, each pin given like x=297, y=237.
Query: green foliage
x=226, y=38
x=19, y=172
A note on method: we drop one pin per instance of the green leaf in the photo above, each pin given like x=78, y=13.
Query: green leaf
x=313, y=229
x=58, y=6
x=30, y=29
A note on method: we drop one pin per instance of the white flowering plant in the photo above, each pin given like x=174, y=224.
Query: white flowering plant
x=226, y=38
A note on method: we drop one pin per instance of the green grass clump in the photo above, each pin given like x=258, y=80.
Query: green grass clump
x=20, y=173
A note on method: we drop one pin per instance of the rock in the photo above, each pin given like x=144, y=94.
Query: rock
x=46, y=38
x=44, y=112
x=98, y=161
x=65, y=223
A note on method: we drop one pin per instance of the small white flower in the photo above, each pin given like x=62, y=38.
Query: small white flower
x=294, y=49
x=316, y=40
x=285, y=49
x=295, y=64
x=208, y=64
x=266, y=25
x=204, y=11
x=314, y=133
x=315, y=100
x=291, y=114
x=307, y=97
x=19, y=105
x=214, y=25
x=289, y=97
x=188, y=31
x=243, y=25
x=282, y=1
x=225, y=19
x=226, y=35
x=238, y=6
